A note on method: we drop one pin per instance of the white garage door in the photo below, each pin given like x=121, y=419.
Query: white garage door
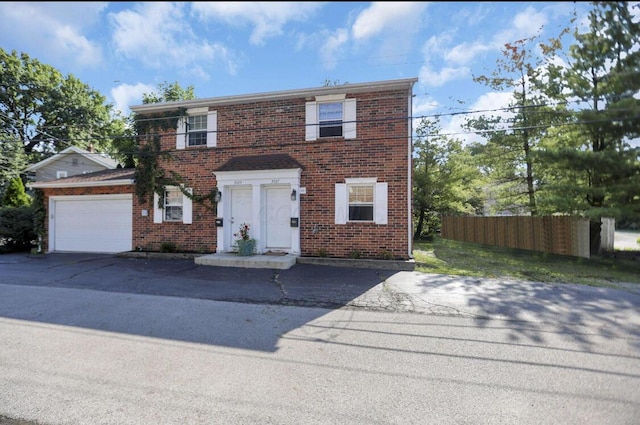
x=91, y=223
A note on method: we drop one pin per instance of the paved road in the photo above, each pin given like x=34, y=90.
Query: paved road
x=107, y=340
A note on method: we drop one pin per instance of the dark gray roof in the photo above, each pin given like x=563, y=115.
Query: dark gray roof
x=260, y=162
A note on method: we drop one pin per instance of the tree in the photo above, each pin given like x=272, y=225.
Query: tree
x=509, y=155
x=602, y=80
x=49, y=112
x=169, y=92
x=12, y=158
x=445, y=179
x=15, y=195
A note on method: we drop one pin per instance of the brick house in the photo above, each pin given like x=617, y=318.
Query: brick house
x=314, y=172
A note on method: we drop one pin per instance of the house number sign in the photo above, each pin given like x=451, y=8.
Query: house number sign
x=237, y=182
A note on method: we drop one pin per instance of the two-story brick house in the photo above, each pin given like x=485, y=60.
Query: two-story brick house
x=320, y=171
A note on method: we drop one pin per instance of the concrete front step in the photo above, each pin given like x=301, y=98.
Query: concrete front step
x=225, y=259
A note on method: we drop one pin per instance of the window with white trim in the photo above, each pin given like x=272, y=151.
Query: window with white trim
x=361, y=200
x=173, y=205
x=330, y=116
x=330, y=119
x=61, y=174
x=198, y=128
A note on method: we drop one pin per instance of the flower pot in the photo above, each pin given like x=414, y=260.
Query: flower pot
x=246, y=247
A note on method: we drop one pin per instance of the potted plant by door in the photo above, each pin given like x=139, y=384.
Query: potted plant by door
x=246, y=244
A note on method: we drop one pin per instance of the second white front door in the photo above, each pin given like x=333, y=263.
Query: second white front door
x=278, y=215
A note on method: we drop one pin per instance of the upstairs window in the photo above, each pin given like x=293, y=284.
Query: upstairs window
x=330, y=116
x=330, y=119
x=197, y=130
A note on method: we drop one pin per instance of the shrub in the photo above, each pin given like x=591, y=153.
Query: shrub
x=17, y=229
x=168, y=247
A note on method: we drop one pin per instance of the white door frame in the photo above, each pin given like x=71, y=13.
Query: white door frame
x=258, y=180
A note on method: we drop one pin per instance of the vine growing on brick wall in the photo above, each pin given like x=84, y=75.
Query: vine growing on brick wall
x=150, y=177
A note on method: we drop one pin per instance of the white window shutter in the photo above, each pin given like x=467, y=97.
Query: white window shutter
x=187, y=208
x=350, y=119
x=181, y=133
x=342, y=203
x=212, y=129
x=381, y=207
x=311, y=121
x=157, y=211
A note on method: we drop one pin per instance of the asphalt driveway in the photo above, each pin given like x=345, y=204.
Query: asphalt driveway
x=308, y=285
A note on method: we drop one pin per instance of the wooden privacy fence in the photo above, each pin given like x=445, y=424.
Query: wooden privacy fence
x=554, y=234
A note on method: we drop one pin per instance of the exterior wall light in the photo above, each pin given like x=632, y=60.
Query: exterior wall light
x=293, y=195
x=218, y=196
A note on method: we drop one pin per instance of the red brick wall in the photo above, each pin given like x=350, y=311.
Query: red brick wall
x=380, y=150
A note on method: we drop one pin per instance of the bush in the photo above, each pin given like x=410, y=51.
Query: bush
x=168, y=247
x=17, y=231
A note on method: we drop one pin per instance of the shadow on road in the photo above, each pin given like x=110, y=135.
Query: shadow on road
x=171, y=299
x=569, y=308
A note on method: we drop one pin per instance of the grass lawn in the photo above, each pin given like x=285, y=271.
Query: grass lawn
x=445, y=256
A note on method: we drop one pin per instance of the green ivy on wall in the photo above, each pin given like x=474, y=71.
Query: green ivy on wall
x=152, y=179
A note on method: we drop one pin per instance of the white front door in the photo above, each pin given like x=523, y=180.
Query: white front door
x=278, y=214
x=241, y=212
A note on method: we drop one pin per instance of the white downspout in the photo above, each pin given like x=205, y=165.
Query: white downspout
x=410, y=174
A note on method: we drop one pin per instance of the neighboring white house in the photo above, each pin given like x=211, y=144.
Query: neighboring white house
x=70, y=162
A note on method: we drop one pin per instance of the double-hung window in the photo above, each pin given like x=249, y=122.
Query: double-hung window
x=197, y=130
x=330, y=116
x=175, y=206
x=330, y=119
x=361, y=200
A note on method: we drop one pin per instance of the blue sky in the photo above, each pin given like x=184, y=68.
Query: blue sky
x=125, y=49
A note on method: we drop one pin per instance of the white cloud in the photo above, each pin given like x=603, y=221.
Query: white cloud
x=126, y=95
x=525, y=24
x=54, y=30
x=388, y=16
x=158, y=35
x=464, y=53
x=332, y=45
x=267, y=18
x=429, y=77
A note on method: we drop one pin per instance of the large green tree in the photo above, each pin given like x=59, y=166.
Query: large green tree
x=512, y=137
x=601, y=83
x=48, y=111
x=446, y=180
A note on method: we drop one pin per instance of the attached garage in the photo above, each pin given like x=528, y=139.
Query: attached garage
x=90, y=212
x=91, y=223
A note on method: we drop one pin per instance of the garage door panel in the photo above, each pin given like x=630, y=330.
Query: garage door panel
x=93, y=224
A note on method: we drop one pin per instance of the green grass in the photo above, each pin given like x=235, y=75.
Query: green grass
x=444, y=256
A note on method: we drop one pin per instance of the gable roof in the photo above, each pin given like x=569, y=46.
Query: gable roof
x=113, y=177
x=260, y=162
x=98, y=158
